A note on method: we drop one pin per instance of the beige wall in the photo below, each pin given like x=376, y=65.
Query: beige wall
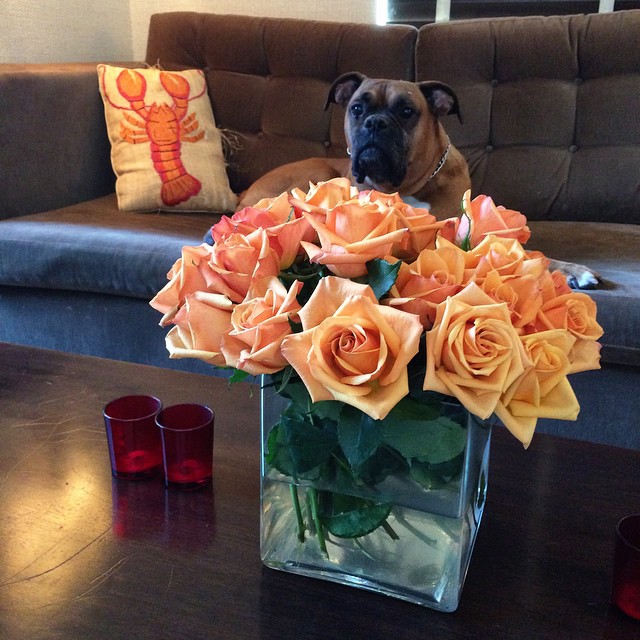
x=338, y=10
x=99, y=30
x=64, y=30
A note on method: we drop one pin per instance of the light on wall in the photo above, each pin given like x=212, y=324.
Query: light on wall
x=381, y=12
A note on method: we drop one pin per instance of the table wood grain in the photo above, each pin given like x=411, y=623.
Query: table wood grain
x=84, y=556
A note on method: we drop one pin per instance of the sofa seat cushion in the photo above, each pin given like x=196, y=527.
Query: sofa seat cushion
x=613, y=250
x=93, y=247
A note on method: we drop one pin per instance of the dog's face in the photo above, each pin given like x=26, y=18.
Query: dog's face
x=388, y=124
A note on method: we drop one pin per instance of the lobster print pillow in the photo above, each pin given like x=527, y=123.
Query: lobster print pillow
x=166, y=150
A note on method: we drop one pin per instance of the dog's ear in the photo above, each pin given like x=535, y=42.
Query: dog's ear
x=442, y=99
x=343, y=88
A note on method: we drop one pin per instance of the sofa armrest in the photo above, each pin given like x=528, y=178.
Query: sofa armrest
x=54, y=149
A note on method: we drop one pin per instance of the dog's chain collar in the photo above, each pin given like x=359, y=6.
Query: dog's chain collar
x=443, y=159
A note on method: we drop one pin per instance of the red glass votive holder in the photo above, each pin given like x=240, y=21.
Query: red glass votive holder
x=625, y=593
x=135, y=448
x=187, y=445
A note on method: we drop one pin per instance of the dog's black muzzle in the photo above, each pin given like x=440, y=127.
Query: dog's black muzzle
x=378, y=151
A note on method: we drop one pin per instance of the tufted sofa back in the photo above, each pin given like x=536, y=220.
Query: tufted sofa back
x=269, y=78
x=551, y=105
x=551, y=110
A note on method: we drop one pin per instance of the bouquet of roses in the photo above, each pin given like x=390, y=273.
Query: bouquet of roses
x=343, y=287
x=367, y=312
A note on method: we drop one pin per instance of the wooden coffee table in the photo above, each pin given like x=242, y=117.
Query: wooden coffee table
x=83, y=556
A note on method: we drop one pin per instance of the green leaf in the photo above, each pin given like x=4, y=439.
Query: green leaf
x=416, y=430
x=384, y=462
x=435, y=476
x=296, y=448
x=382, y=275
x=238, y=376
x=327, y=410
x=350, y=517
x=423, y=475
x=359, y=436
x=289, y=385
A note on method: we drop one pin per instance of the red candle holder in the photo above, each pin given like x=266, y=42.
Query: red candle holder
x=135, y=448
x=626, y=566
x=187, y=445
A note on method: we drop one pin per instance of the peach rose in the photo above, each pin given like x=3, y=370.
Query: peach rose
x=428, y=281
x=237, y=261
x=284, y=229
x=352, y=349
x=480, y=218
x=199, y=327
x=473, y=351
x=543, y=390
x=422, y=224
x=503, y=255
x=576, y=313
x=352, y=235
x=553, y=284
x=259, y=324
x=186, y=276
x=521, y=294
x=323, y=196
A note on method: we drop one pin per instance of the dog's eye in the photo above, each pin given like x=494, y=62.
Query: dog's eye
x=407, y=112
x=357, y=110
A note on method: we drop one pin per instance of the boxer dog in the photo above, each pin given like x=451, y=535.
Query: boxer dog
x=395, y=142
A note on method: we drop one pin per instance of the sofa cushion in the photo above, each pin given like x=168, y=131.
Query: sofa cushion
x=550, y=110
x=52, y=133
x=166, y=150
x=613, y=250
x=270, y=77
x=94, y=247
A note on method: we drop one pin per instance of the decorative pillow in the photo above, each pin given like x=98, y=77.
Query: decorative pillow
x=166, y=150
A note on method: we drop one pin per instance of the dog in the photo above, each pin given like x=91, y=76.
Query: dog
x=395, y=143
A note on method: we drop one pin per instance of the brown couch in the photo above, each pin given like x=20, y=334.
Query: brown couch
x=551, y=128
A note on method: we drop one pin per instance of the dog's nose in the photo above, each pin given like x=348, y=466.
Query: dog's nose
x=375, y=122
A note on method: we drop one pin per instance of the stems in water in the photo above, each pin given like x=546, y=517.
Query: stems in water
x=296, y=507
x=312, y=497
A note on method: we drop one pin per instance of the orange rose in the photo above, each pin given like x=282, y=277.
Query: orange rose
x=186, y=276
x=431, y=279
x=422, y=224
x=521, y=294
x=275, y=215
x=323, y=196
x=200, y=325
x=553, y=284
x=352, y=349
x=352, y=235
x=576, y=313
x=259, y=324
x=505, y=256
x=481, y=218
x=473, y=351
x=239, y=260
x=543, y=390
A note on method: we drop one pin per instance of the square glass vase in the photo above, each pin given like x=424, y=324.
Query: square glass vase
x=420, y=553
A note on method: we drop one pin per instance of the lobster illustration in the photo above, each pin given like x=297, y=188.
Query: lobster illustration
x=165, y=127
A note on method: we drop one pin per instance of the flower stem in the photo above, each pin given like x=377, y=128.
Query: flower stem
x=296, y=507
x=390, y=531
x=312, y=495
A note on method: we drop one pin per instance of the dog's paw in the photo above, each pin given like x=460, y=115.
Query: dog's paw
x=578, y=276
